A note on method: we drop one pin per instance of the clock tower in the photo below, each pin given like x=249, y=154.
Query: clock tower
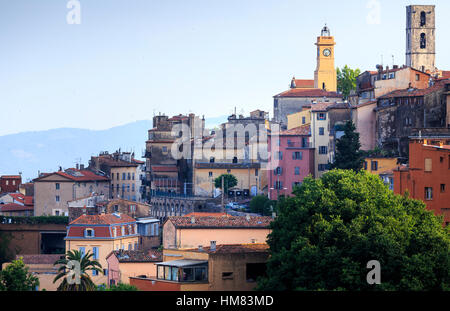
x=325, y=74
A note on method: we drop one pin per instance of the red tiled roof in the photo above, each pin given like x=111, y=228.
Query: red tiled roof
x=446, y=74
x=303, y=83
x=18, y=197
x=43, y=259
x=13, y=207
x=221, y=222
x=11, y=176
x=200, y=214
x=301, y=130
x=137, y=255
x=104, y=219
x=109, y=161
x=77, y=175
x=320, y=106
x=416, y=92
x=309, y=93
x=29, y=200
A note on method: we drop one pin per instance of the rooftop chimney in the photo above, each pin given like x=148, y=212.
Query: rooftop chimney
x=81, y=166
x=247, y=217
x=200, y=247
x=192, y=220
x=213, y=246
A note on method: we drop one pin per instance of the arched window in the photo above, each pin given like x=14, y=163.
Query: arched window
x=423, y=19
x=423, y=41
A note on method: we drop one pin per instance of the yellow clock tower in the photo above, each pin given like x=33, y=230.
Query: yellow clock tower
x=325, y=74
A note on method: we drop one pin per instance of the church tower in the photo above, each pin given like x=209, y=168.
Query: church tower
x=325, y=74
x=421, y=37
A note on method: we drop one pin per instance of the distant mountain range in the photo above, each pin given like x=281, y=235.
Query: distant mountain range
x=45, y=151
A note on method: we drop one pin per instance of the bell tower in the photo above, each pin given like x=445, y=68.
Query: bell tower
x=325, y=74
x=421, y=37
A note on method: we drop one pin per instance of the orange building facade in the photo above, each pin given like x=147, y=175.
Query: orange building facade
x=428, y=176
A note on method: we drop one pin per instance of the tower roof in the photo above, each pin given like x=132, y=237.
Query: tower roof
x=325, y=31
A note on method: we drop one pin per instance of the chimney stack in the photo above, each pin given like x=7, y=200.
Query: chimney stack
x=247, y=217
x=193, y=220
x=213, y=246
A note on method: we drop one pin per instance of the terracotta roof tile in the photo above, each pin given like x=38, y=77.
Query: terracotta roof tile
x=303, y=83
x=77, y=175
x=416, y=92
x=200, y=214
x=301, y=130
x=309, y=93
x=13, y=207
x=138, y=255
x=221, y=222
x=104, y=219
x=43, y=259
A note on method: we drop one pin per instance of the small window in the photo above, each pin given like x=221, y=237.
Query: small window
x=57, y=186
x=227, y=276
x=365, y=165
x=428, y=193
x=374, y=165
x=164, y=149
x=298, y=155
x=88, y=233
x=428, y=165
x=57, y=198
x=297, y=171
x=423, y=19
x=321, y=131
x=442, y=188
x=210, y=174
x=323, y=149
x=321, y=116
x=417, y=77
x=423, y=41
x=303, y=120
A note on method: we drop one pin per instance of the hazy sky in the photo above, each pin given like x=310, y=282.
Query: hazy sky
x=127, y=60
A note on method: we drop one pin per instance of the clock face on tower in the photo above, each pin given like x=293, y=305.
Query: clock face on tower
x=326, y=52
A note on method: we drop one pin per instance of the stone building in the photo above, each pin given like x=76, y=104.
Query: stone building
x=421, y=37
x=404, y=113
x=165, y=173
x=124, y=171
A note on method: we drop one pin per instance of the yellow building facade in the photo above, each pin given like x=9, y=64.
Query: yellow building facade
x=325, y=76
x=379, y=165
x=100, y=235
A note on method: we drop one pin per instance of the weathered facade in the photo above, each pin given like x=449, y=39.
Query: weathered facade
x=403, y=113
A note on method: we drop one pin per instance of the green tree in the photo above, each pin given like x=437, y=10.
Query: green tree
x=119, y=287
x=346, y=79
x=348, y=155
x=15, y=277
x=259, y=205
x=326, y=234
x=67, y=269
x=229, y=181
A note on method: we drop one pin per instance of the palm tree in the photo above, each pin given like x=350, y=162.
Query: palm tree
x=67, y=270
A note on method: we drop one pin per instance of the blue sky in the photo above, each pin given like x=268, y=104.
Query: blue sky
x=130, y=59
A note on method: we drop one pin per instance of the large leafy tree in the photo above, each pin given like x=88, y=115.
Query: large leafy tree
x=67, y=269
x=326, y=234
x=229, y=181
x=346, y=79
x=5, y=252
x=348, y=153
x=16, y=277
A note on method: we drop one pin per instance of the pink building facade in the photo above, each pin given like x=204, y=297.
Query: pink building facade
x=291, y=159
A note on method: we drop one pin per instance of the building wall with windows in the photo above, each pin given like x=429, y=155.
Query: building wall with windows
x=378, y=165
x=102, y=234
x=52, y=192
x=292, y=161
x=428, y=176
